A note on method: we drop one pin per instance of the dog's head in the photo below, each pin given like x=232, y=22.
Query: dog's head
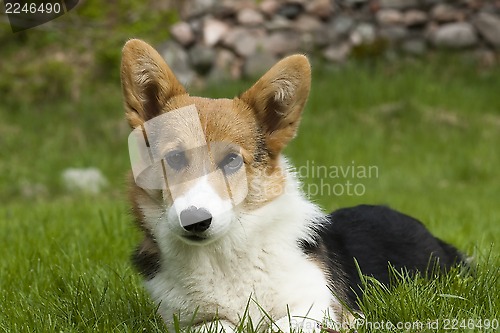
x=202, y=161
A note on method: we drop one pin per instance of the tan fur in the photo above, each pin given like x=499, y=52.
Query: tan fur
x=268, y=114
x=147, y=82
x=278, y=99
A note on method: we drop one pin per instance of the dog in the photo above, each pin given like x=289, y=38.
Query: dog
x=228, y=234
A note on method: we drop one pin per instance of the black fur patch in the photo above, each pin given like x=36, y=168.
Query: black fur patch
x=146, y=259
x=376, y=236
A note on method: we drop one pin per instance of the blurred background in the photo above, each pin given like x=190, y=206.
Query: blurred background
x=59, y=82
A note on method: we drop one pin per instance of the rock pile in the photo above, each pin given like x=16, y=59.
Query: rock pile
x=229, y=39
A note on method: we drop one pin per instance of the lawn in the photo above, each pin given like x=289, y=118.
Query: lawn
x=427, y=130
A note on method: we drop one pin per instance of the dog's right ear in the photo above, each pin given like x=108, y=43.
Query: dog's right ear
x=147, y=82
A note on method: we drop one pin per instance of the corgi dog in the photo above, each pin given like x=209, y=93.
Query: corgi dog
x=228, y=234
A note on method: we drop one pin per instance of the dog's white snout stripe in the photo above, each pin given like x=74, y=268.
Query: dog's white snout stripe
x=202, y=196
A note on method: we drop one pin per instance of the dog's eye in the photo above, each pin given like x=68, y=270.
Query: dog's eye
x=177, y=159
x=231, y=163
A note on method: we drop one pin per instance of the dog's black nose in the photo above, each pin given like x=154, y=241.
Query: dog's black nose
x=195, y=219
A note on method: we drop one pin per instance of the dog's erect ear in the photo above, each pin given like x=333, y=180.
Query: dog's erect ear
x=147, y=82
x=278, y=98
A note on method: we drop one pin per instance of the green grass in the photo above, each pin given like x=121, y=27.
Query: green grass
x=431, y=128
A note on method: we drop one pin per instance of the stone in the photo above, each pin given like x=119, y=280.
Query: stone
x=399, y=4
x=415, y=17
x=202, y=58
x=243, y=41
x=87, y=180
x=492, y=6
x=196, y=8
x=269, y=7
x=455, y=35
x=258, y=64
x=307, y=23
x=364, y=33
x=389, y=17
x=280, y=43
x=182, y=33
x=337, y=53
x=446, y=13
x=214, y=31
x=227, y=66
x=249, y=16
x=488, y=26
x=225, y=10
x=322, y=9
x=278, y=23
x=340, y=27
x=178, y=60
x=290, y=10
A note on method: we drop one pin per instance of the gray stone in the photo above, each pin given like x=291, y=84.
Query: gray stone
x=446, y=13
x=415, y=17
x=455, y=35
x=258, y=63
x=389, y=16
x=488, y=26
x=364, y=33
x=227, y=66
x=214, y=31
x=249, y=16
x=202, y=58
x=196, y=8
x=269, y=7
x=278, y=23
x=340, y=26
x=322, y=9
x=182, y=33
x=307, y=23
x=280, y=43
x=178, y=60
x=244, y=41
x=399, y=4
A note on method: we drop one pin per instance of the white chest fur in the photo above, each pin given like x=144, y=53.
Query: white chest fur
x=258, y=265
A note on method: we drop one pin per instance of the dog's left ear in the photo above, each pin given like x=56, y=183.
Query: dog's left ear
x=278, y=98
x=147, y=82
